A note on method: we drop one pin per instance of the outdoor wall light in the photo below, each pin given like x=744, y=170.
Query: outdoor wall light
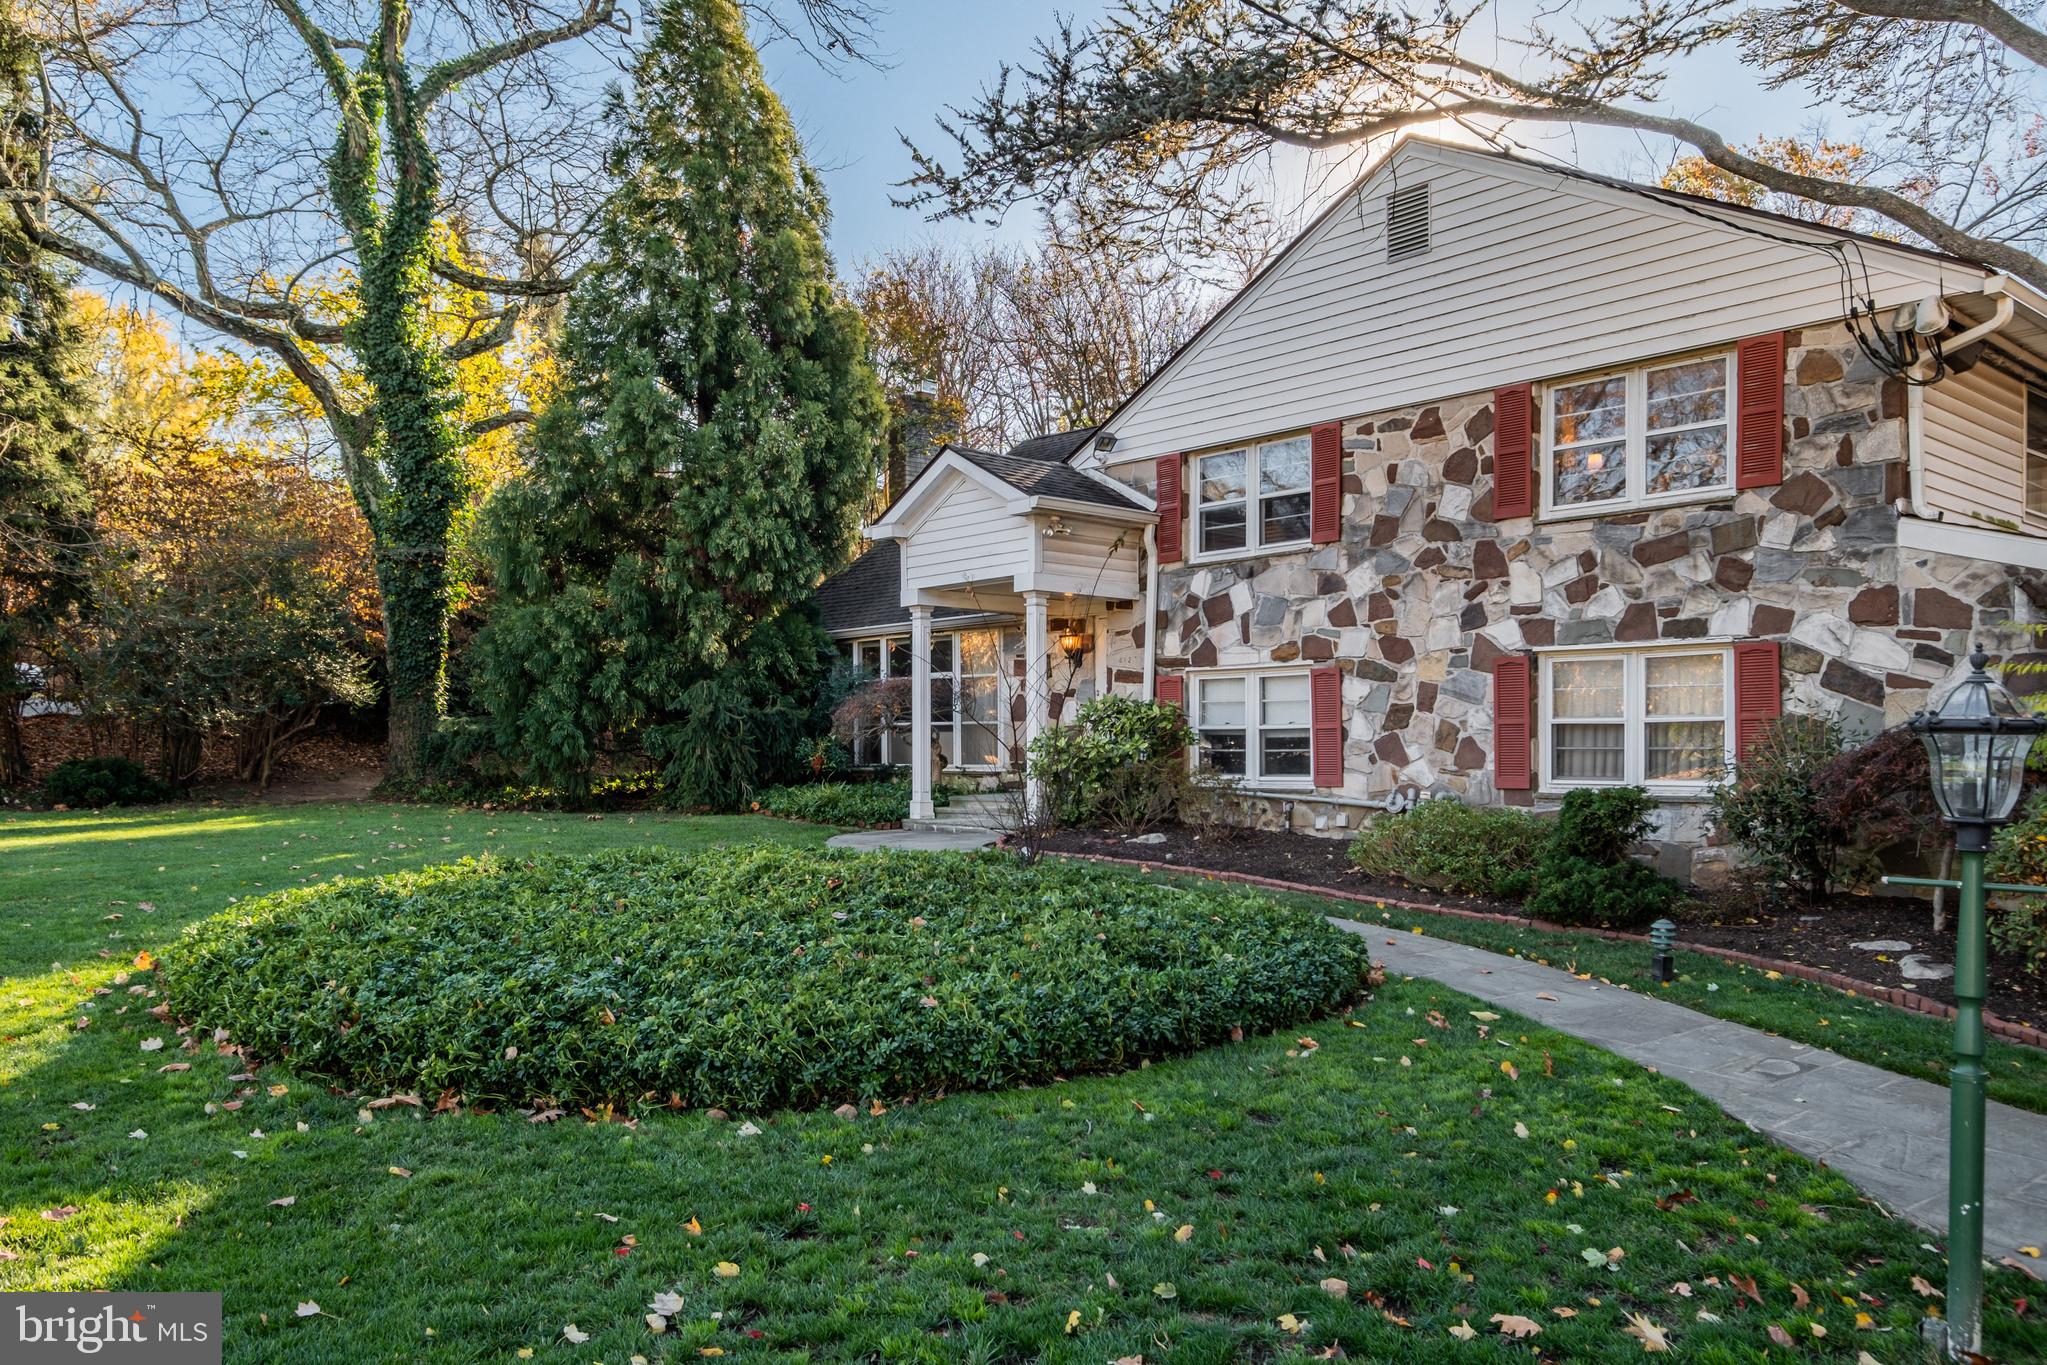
x=1977, y=738
x=1662, y=964
x=1074, y=644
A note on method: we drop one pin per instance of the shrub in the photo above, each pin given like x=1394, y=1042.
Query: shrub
x=1876, y=797
x=1586, y=874
x=749, y=976
x=1449, y=846
x=843, y=803
x=2018, y=924
x=90, y=783
x=1121, y=763
x=1771, y=807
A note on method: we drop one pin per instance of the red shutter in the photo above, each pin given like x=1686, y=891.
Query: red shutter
x=1513, y=722
x=1759, y=411
x=1325, y=725
x=1513, y=452
x=1325, y=497
x=1171, y=515
x=1170, y=688
x=1758, y=691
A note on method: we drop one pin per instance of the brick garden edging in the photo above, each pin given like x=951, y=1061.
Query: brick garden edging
x=1887, y=995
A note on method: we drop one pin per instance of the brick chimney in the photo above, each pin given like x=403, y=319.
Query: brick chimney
x=919, y=423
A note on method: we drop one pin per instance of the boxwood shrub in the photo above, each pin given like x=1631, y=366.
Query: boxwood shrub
x=749, y=976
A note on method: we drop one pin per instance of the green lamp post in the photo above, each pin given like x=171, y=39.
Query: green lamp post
x=1977, y=737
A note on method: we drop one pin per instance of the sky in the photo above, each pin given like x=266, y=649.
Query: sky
x=935, y=53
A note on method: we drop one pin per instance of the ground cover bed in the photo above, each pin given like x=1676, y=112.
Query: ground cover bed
x=750, y=977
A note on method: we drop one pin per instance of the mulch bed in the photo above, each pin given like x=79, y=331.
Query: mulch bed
x=1821, y=937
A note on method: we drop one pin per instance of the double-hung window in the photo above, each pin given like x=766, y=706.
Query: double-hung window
x=1255, y=725
x=2036, y=452
x=1253, y=498
x=1655, y=718
x=1661, y=433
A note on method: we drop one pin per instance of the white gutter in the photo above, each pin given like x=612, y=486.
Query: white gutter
x=1151, y=610
x=1915, y=399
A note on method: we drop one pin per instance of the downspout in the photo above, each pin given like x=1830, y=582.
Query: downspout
x=1915, y=401
x=1151, y=609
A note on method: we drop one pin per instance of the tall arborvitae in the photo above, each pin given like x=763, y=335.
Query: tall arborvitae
x=45, y=511
x=717, y=437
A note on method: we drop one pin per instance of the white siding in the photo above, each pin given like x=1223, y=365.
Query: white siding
x=1975, y=430
x=1089, y=561
x=969, y=536
x=1531, y=274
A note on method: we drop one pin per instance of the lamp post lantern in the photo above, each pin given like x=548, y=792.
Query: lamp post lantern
x=1977, y=737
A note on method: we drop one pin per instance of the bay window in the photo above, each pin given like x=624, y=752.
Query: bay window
x=1255, y=725
x=1253, y=498
x=1659, y=433
x=1648, y=717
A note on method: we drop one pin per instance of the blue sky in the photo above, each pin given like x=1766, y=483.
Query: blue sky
x=941, y=52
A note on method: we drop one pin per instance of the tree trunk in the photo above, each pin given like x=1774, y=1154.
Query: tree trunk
x=14, y=769
x=416, y=644
x=181, y=751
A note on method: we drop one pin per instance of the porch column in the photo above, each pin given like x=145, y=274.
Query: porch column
x=920, y=713
x=1037, y=684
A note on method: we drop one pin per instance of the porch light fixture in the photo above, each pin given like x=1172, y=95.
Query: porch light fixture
x=1074, y=644
x=1977, y=738
x=1105, y=441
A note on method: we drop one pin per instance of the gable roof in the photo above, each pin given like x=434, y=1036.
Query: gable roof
x=867, y=595
x=1048, y=475
x=1883, y=257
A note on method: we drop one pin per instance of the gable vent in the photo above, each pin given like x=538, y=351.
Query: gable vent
x=1407, y=222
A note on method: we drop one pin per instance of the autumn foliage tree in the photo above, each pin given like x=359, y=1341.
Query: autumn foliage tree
x=707, y=459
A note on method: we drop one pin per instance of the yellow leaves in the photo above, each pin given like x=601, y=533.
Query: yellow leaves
x=1072, y=1321
x=145, y=960
x=1464, y=1331
x=1516, y=1326
x=401, y=1172
x=1484, y=1016
x=693, y=1227
x=1183, y=1233
x=2033, y=1252
x=1510, y=1071
x=1290, y=1324
x=1654, y=1339
x=725, y=1270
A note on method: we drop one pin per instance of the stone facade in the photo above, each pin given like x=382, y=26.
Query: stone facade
x=1425, y=590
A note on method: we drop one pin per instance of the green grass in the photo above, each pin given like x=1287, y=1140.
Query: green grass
x=1285, y=1163
x=1854, y=1026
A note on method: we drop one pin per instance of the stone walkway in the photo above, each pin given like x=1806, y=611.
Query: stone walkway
x=1885, y=1132
x=929, y=839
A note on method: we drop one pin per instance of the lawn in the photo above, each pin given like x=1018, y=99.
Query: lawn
x=1446, y=1168
x=1854, y=1026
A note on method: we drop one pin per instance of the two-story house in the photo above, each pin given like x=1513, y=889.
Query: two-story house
x=1502, y=479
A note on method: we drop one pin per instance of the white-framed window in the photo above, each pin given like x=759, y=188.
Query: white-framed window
x=1255, y=726
x=2036, y=452
x=1658, y=718
x=966, y=699
x=1658, y=433
x=1252, y=498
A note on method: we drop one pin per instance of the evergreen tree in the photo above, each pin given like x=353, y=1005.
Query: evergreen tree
x=45, y=513
x=716, y=437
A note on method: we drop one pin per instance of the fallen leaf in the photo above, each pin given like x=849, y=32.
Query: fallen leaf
x=667, y=1303
x=1919, y=1283
x=575, y=1335
x=1165, y=1290
x=1799, y=1298
x=725, y=1270
x=308, y=1309
x=1183, y=1232
x=1289, y=1323
x=285, y=1202
x=1780, y=1336
x=1072, y=1321
x=1653, y=1338
x=401, y=1172
x=1516, y=1326
x=152, y=1044
x=1335, y=1288
x=1463, y=1331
